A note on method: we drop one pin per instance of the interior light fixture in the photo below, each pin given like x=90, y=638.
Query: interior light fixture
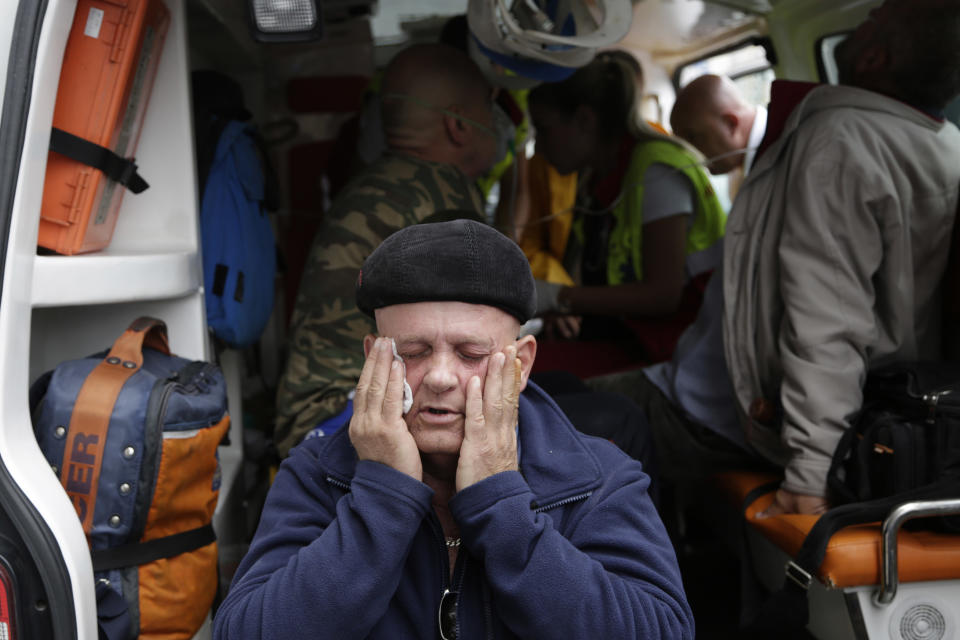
x=285, y=20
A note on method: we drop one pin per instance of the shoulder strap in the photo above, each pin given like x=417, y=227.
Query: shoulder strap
x=115, y=167
x=90, y=419
x=788, y=608
x=846, y=447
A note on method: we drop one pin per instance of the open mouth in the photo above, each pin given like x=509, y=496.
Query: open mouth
x=439, y=415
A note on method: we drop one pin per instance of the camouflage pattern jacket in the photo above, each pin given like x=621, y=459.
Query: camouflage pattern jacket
x=325, y=352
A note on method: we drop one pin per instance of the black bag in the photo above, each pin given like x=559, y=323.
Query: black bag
x=906, y=436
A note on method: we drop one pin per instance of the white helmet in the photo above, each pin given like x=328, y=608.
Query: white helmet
x=542, y=40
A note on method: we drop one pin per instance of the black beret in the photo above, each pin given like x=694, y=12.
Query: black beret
x=460, y=260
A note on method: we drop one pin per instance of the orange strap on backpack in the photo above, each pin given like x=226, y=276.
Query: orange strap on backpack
x=83, y=453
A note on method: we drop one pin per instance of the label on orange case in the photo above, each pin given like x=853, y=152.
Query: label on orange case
x=94, y=22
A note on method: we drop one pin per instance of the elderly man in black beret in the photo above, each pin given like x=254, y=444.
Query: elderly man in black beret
x=469, y=509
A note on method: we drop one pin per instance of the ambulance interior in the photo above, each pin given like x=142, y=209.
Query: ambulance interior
x=301, y=96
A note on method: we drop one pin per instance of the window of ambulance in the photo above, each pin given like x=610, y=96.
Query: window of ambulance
x=749, y=65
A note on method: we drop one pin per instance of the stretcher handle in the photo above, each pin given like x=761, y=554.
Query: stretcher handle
x=889, y=577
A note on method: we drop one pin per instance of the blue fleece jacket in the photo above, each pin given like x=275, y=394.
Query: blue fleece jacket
x=568, y=547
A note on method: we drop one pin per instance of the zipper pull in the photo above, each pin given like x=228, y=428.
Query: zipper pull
x=931, y=399
x=447, y=615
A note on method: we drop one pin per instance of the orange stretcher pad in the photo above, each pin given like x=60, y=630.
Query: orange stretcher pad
x=853, y=553
x=108, y=70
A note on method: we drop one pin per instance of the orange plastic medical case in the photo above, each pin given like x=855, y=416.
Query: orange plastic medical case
x=108, y=70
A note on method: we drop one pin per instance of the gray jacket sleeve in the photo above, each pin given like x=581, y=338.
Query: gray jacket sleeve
x=830, y=250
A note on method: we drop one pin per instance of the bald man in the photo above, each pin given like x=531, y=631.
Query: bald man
x=437, y=116
x=437, y=106
x=712, y=115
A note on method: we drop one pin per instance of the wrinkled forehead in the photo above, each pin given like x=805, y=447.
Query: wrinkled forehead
x=447, y=321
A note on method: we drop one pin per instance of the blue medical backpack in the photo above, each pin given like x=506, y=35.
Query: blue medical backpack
x=132, y=434
x=239, y=249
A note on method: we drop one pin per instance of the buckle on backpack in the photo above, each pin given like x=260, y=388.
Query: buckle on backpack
x=798, y=575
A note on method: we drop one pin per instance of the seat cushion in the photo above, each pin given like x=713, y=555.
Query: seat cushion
x=853, y=553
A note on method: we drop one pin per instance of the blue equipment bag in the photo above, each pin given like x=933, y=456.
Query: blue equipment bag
x=132, y=434
x=239, y=250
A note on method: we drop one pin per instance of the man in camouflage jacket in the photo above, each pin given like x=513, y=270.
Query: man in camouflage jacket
x=437, y=120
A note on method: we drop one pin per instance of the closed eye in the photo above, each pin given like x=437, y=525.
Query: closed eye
x=471, y=357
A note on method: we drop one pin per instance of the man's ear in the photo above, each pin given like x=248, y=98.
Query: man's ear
x=368, y=341
x=454, y=127
x=527, y=352
x=730, y=123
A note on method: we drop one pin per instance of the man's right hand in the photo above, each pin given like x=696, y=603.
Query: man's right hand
x=786, y=502
x=377, y=429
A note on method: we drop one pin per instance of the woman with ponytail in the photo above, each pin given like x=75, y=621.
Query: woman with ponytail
x=647, y=223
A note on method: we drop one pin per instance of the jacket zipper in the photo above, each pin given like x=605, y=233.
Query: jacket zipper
x=338, y=483
x=487, y=610
x=561, y=503
x=437, y=530
x=459, y=568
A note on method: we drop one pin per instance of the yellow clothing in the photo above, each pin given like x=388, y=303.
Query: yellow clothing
x=544, y=237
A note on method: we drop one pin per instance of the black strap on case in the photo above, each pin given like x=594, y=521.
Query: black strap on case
x=116, y=168
x=130, y=555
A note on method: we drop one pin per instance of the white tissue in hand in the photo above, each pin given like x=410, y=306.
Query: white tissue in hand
x=407, y=391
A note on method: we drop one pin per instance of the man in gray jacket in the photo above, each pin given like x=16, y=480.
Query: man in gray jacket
x=839, y=238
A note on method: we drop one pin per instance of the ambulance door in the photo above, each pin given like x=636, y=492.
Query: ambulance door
x=44, y=563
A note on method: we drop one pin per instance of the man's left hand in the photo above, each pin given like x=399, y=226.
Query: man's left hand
x=490, y=434
x=790, y=502
x=566, y=327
